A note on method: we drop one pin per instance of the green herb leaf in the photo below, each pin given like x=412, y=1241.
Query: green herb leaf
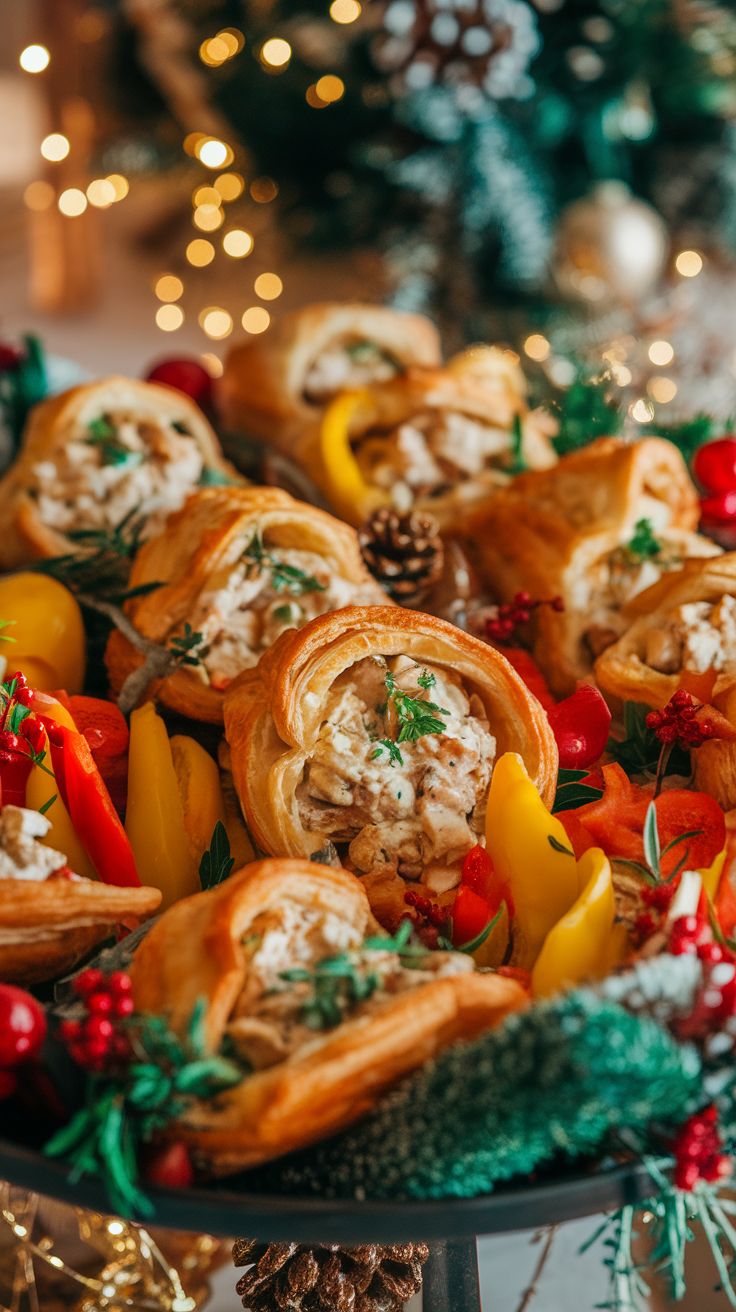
x=571, y=793
x=479, y=940
x=587, y=410
x=5, y=637
x=184, y=648
x=47, y=805
x=394, y=755
x=214, y=477
x=216, y=863
x=644, y=544
x=559, y=847
x=651, y=841
x=284, y=578
x=639, y=751
x=518, y=463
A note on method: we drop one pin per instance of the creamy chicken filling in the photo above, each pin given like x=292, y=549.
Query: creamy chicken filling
x=430, y=453
x=356, y=363
x=117, y=465
x=249, y=604
x=307, y=970
x=412, y=807
x=698, y=636
x=618, y=577
x=21, y=854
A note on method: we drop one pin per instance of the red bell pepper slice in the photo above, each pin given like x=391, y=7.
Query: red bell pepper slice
x=89, y=805
x=470, y=915
x=479, y=875
x=103, y=725
x=725, y=905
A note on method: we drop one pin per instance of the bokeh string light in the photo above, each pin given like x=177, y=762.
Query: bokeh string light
x=256, y=319
x=39, y=196
x=101, y=193
x=275, y=54
x=225, y=45
x=55, y=147
x=200, y=253
x=34, y=59
x=263, y=190
x=169, y=317
x=237, y=243
x=168, y=287
x=345, y=11
x=537, y=347
x=689, y=264
x=216, y=322
x=268, y=286
x=661, y=353
x=72, y=202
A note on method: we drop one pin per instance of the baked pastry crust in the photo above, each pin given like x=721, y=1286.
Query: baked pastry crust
x=552, y=532
x=273, y=714
x=24, y=537
x=261, y=391
x=195, y=951
x=46, y=927
x=198, y=541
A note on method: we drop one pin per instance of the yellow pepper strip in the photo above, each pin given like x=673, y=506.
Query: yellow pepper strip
x=199, y=792
x=41, y=787
x=542, y=875
x=712, y=876
x=577, y=947
x=154, y=820
x=49, y=643
x=352, y=498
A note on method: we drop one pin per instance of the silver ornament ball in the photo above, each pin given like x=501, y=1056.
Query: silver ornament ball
x=610, y=247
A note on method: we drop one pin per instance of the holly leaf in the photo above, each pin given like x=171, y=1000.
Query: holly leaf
x=571, y=792
x=216, y=863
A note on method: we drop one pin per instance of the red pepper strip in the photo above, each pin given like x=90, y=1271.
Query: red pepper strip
x=616, y=822
x=106, y=731
x=470, y=915
x=527, y=669
x=92, y=813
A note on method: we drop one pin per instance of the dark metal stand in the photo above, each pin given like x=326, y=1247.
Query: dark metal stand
x=451, y=1277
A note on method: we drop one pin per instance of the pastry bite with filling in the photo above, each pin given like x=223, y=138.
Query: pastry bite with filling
x=322, y=1014
x=597, y=530
x=100, y=455
x=279, y=383
x=370, y=737
x=51, y=918
x=240, y=566
x=437, y=440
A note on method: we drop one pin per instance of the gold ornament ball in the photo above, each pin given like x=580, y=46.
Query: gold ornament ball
x=610, y=247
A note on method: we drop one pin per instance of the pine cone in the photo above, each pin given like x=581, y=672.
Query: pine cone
x=403, y=552
x=328, y=1278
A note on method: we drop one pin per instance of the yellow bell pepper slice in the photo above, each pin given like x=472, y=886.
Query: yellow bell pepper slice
x=41, y=787
x=49, y=643
x=154, y=820
x=711, y=877
x=200, y=793
x=352, y=498
x=542, y=874
x=577, y=947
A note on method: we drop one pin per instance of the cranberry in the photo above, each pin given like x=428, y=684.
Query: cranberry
x=580, y=725
x=26, y=696
x=123, y=1006
x=22, y=1025
x=119, y=982
x=9, y=742
x=715, y=465
x=99, y=1003
x=712, y=953
x=168, y=1164
x=684, y=935
x=71, y=1030
x=34, y=734
x=88, y=982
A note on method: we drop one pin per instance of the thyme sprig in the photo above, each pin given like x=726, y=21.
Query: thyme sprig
x=284, y=578
x=415, y=717
x=337, y=986
x=184, y=648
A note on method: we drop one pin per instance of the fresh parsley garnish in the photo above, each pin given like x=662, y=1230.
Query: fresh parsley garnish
x=185, y=648
x=336, y=987
x=217, y=862
x=112, y=450
x=416, y=717
x=394, y=755
x=644, y=544
x=284, y=578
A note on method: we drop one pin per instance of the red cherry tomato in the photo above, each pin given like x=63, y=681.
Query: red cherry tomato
x=470, y=915
x=580, y=724
x=478, y=874
x=187, y=376
x=22, y=1026
x=715, y=465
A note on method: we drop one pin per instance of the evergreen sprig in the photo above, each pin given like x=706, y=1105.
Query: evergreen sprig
x=184, y=648
x=284, y=578
x=586, y=411
x=101, y=566
x=112, y=451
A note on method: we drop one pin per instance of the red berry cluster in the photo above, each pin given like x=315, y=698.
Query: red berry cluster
x=698, y=1150
x=658, y=898
x=501, y=628
x=716, y=1001
x=98, y=1042
x=429, y=911
x=677, y=722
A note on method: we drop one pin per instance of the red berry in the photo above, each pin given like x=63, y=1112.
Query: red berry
x=34, y=734
x=88, y=982
x=70, y=1030
x=99, y=1003
x=186, y=376
x=98, y=1028
x=9, y=742
x=123, y=1006
x=580, y=724
x=22, y=1025
x=169, y=1165
x=719, y=508
x=715, y=465
x=8, y=1083
x=119, y=982
x=18, y=678
x=26, y=696
x=713, y=953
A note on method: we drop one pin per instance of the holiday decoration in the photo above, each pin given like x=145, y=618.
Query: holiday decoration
x=503, y=620
x=403, y=552
x=187, y=376
x=328, y=1278
x=610, y=246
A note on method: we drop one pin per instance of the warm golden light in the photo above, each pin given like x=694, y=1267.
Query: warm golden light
x=34, y=59
x=263, y=190
x=237, y=243
x=662, y=389
x=207, y=196
x=689, y=264
x=168, y=287
x=330, y=88
x=229, y=186
x=208, y=217
x=214, y=52
x=313, y=99
x=200, y=252
x=192, y=141
x=268, y=286
x=344, y=11
x=101, y=193
x=276, y=52
x=661, y=353
x=217, y=323
x=537, y=347
x=256, y=319
x=620, y=374
x=121, y=185
x=212, y=363
x=642, y=411
x=72, y=202
x=115, y=1227
x=39, y=196
x=169, y=317
x=213, y=154
x=55, y=147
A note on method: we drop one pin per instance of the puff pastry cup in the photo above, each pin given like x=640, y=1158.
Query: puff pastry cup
x=218, y=579
x=565, y=532
x=438, y=440
x=47, y=927
x=98, y=453
x=229, y=946
x=279, y=383
x=308, y=728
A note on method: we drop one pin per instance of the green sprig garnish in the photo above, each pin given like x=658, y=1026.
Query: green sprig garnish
x=336, y=987
x=217, y=862
x=5, y=637
x=112, y=450
x=284, y=578
x=185, y=647
x=643, y=545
